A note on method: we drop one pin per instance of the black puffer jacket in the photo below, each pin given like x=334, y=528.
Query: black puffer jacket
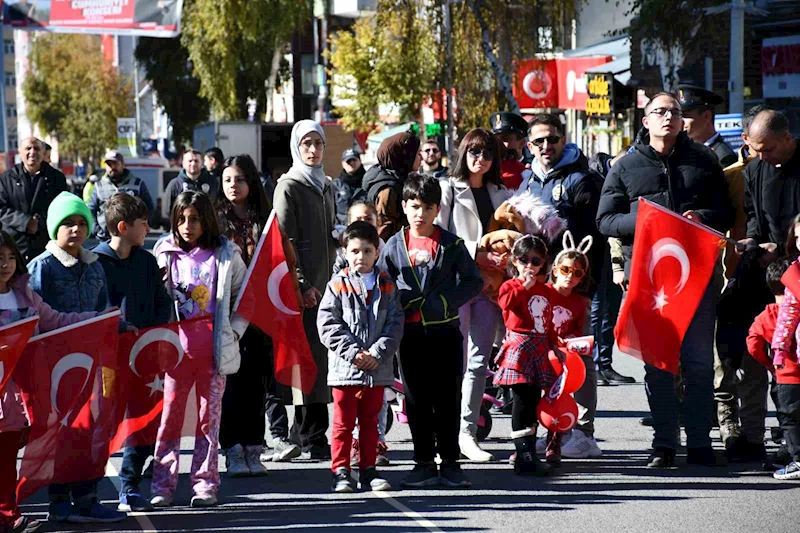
x=347, y=190
x=690, y=178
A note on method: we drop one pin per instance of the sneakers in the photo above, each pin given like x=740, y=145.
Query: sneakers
x=252, y=458
x=470, y=449
x=317, y=453
x=369, y=478
x=451, y=475
x=662, y=458
x=282, y=450
x=96, y=513
x=341, y=481
x=552, y=453
x=380, y=458
x=133, y=502
x=59, y=511
x=235, y=463
x=204, y=499
x=791, y=471
x=422, y=475
x=161, y=500
x=614, y=377
x=581, y=446
x=25, y=525
x=705, y=456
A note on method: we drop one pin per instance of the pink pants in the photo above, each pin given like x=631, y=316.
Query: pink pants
x=205, y=460
x=350, y=403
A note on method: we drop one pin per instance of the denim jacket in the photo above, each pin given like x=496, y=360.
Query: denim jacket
x=69, y=284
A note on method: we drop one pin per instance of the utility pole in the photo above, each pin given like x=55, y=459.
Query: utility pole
x=450, y=139
x=736, y=77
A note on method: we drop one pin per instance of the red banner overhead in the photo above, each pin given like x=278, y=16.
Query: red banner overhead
x=154, y=18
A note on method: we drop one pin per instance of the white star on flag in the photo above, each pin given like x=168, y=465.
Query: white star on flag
x=660, y=300
x=157, y=385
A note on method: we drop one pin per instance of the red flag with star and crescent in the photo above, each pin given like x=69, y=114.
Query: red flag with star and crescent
x=184, y=350
x=673, y=260
x=68, y=381
x=13, y=339
x=268, y=301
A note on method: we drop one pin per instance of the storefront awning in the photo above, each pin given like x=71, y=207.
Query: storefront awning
x=618, y=48
x=620, y=68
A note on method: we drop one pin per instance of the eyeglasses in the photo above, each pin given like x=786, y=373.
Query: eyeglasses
x=551, y=139
x=567, y=270
x=487, y=156
x=534, y=260
x=662, y=112
x=431, y=151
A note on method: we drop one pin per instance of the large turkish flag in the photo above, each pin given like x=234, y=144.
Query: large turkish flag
x=267, y=299
x=673, y=259
x=13, y=339
x=68, y=382
x=184, y=350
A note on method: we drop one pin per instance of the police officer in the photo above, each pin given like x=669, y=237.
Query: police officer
x=511, y=129
x=698, y=105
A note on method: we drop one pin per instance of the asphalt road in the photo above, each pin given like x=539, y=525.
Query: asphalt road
x=615, y=493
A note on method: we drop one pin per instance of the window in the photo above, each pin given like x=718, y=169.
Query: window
x=307, y=71
x=8, y=47
x=11, y=79
x=11, y=111
x=13, y=142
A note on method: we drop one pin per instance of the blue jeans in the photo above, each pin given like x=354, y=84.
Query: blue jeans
x=697, y=368
x=130, y=475
x=605, y=308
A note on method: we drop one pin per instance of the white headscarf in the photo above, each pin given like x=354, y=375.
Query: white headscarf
x=314, y=175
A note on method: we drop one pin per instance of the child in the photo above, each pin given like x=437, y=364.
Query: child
x=17, y=302
x=435, y=275
x=134, y=285
x=360, y=322
x=204, y=272
x=570, y=272
x=759, y=339
x=523, y=360
x=69, y=279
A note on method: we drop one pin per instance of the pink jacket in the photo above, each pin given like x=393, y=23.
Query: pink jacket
x=12, y=410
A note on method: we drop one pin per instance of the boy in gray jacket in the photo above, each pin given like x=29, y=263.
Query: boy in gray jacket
x=360, y=321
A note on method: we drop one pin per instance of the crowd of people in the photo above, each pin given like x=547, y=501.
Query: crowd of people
x=389, y=268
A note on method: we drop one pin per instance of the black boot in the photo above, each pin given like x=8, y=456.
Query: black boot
x=527, y=463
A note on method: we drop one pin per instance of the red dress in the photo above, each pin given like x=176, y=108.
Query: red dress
x=528, y=316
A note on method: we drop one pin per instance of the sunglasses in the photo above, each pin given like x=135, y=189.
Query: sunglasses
x=551, y=139
x=662, y=112
x=431, y=151
x=487, y=156
x=567, y=270
x=533, y=260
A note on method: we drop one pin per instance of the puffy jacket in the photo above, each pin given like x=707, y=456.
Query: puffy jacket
x=18, y=204
x=346, y=191
x=230, y=276
x=689, y=178
x=105, y=189
x=453, y=281
x=384, y=188
x=347, y=324
x=69, y=284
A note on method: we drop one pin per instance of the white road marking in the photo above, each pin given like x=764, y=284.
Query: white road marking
x=407, y=512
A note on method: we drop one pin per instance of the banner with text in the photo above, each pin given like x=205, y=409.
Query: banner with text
x=126, y=136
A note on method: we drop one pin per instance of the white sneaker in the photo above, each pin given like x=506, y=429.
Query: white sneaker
x=204, y=499
x=235, y=463
x=541, y=442
x=580, y=446
x=161, y=501
x=470, y=449
x=252, y=458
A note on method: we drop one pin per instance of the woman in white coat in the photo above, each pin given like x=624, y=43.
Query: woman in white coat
x=470, y=195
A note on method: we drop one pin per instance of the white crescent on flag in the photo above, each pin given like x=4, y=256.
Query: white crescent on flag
x=66, y=363
x=667, y=247
x=274, y=291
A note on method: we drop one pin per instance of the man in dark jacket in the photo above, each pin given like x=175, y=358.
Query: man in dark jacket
x=347, y=187
x=668, y=168
x=193, y=177
x=26, y=191
x=698, y=105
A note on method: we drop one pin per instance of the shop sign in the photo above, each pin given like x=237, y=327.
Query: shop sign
x=600, y=95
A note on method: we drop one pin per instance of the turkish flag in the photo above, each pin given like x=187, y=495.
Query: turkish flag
x=673, y=260
x=182, y=349
x=68, y=382
x=13, y=339
x=267, y=299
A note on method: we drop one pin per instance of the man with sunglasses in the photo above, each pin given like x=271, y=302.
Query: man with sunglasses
x=432, y=160
x=668, y=168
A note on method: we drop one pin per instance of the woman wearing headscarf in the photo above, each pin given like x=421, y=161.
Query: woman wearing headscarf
x=305, y=206
x=398, y=156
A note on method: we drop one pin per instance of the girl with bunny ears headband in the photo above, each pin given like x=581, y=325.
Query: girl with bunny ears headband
x=571, y=264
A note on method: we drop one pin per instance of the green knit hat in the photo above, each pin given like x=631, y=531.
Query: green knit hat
x=65, y=205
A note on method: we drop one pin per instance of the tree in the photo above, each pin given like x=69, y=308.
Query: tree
x=232, y=44
x=169, y=70
x=73, y=95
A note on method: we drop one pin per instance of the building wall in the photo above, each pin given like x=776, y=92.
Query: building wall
x=9, y=92
x=597, y=18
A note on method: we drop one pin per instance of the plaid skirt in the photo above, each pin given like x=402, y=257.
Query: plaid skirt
x=523, y=359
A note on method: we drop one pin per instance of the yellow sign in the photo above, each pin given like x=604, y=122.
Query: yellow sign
x=598, y=106
x=600, y=89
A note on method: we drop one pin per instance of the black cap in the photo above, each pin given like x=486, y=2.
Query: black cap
x=508, y=123
x=692, y=96
x=349, y=154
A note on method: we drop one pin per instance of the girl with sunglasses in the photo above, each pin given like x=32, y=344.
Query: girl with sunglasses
x=523, y=362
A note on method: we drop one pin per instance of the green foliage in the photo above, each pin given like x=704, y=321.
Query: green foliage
x=231, y=44
x=166, y=62
x=73, y=95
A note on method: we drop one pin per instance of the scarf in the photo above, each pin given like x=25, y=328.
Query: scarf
x=314, y=175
